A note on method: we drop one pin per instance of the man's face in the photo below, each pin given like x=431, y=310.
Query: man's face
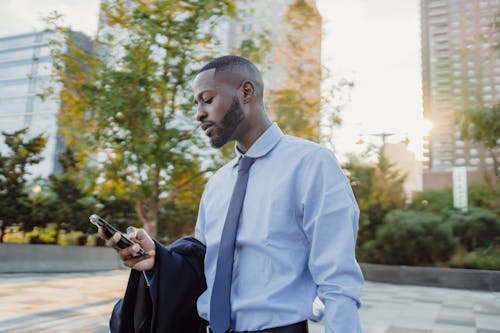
x=218, y=107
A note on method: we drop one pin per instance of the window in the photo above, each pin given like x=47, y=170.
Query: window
x=247, y=27
x=12, y=105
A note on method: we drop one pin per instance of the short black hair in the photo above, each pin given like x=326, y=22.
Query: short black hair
x=227, y=63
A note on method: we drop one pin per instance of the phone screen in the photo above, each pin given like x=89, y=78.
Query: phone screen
x=124, y=241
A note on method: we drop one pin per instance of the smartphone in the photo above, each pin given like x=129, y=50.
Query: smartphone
x=124, y=241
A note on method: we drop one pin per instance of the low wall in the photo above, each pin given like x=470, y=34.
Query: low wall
x=433, y=276
x=34, y=258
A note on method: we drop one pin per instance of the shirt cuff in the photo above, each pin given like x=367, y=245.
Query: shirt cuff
x=148, y=276
x=341, y=315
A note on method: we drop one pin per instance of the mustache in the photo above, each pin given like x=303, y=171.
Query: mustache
x=200, y=124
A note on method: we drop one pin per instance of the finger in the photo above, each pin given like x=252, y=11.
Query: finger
x=102, y=233
x=129, y=252
x=111, y=242
x=132, y=232
x=142, y=262
x=142, y=237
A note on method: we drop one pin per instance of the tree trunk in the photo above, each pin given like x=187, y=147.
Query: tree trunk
x=148, y=216
x=3, y=226
x=151, y=227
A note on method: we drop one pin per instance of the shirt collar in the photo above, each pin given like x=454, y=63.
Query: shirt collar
x=263, y=145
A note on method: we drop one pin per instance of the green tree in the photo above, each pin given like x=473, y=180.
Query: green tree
x=70, y=206
x=296, y=106
x=14, y=201
x=378, y=189
x=482, y=125
x=130, y=106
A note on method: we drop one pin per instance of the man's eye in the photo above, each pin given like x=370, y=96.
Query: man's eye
x=209, y=101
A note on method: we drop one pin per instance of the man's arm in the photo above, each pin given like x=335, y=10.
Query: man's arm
x=330, y=221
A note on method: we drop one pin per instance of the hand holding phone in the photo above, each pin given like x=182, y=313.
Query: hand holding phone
x=109, y=230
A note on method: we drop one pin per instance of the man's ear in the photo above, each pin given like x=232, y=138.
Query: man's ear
x=248, y=90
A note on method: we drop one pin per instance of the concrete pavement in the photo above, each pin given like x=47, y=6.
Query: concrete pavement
x=82, y=302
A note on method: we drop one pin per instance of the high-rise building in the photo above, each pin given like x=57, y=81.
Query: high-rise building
x=25, y=68
x=460, y=70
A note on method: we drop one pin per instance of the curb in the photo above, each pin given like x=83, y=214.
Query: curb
x=36, y=258
x=455, y=278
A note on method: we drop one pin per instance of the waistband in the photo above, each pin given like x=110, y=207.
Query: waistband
x=300, y=327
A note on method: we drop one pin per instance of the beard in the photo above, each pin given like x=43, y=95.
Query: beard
x=225, y=133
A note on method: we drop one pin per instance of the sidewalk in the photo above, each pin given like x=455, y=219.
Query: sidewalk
x=82, y=302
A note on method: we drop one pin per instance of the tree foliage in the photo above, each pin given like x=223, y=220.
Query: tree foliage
x=482, y=125
x=296, y=106
x=128, y=104
x=70, y=206
x=14, y=201
x=378, y=189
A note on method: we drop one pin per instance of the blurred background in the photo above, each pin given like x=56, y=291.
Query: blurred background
x=96, y=115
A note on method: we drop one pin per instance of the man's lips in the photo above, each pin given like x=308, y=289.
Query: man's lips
x=206, y=127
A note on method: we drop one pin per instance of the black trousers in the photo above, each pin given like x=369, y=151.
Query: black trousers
x=300, y=327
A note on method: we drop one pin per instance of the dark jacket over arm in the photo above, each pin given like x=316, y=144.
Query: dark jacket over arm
x=169, y=304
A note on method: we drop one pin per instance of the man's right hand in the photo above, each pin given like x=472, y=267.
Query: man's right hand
x=129, y=255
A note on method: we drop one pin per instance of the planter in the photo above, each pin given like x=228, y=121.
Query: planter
x=433, y=276
x=35, y=258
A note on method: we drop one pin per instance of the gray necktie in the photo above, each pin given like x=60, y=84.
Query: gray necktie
x=220, y=303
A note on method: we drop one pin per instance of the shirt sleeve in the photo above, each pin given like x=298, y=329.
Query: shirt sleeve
x=330, y=220
x=199, y=229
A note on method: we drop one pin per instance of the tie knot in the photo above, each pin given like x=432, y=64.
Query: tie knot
x=245, y=163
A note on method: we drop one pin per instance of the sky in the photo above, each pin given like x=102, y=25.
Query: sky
x=374, y=43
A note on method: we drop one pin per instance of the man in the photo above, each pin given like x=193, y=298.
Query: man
x=296, y=226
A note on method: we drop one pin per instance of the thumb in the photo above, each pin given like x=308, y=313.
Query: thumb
x=132, y=232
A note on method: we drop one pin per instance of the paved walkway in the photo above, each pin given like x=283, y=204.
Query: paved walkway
x=82, y=303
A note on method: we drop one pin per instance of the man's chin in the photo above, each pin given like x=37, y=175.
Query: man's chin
x=218, y=142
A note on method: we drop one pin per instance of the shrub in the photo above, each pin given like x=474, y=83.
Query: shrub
x=483, y=196
x=432, y=201
x=483, y=258
x=475, y=228
x=410, y=238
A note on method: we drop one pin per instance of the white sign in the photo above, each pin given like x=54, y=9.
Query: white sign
x=460, y=188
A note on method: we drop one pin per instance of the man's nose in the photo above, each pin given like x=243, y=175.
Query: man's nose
x=200, y=113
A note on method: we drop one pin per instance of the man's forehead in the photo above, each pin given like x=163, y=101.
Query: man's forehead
x=204, y=77
x=209, y=79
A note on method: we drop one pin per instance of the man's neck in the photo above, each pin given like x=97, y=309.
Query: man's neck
x=252, y=135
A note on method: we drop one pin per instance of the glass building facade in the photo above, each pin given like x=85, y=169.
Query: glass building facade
x=25, y=69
